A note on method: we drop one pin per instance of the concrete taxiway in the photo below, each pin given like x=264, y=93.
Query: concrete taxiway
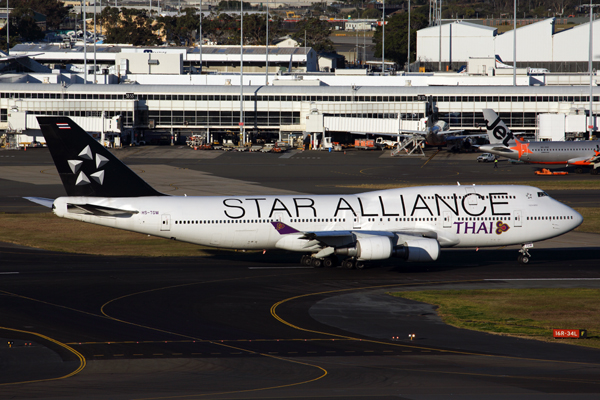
x=242, y=326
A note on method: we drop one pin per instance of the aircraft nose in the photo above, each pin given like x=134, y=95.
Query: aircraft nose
x=577, y=218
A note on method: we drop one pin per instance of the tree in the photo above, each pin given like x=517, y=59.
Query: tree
x=129, y=26
x=220, y=29
x=54, y=11
x=396, y=36
x=371, y=13
x=226, y=5
x=181, y=28
x=317, y=34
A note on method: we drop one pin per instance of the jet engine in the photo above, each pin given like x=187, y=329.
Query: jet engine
x=381, y=248
x=418, y=250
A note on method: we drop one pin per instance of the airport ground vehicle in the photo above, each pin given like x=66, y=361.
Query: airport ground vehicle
x=486, y=157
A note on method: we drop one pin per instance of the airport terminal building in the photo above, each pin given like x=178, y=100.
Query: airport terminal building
x=281, y=111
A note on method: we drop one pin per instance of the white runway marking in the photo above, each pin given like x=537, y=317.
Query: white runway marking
x=8, y=273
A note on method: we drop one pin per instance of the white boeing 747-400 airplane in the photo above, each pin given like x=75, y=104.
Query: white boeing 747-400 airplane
x=504, y=143
x=410, y=223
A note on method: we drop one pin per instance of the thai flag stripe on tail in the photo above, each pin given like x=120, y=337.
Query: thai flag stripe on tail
x=63, y=125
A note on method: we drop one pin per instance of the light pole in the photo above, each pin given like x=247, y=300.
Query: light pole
x=515, y=44
x=383, y=40
x=242, y=73
x=408, y=55
x=590, y=66
x=7, y=30
x=267, y=48
x=440, y=31
x=85, y=72
x=200, y=38
x=95, y=41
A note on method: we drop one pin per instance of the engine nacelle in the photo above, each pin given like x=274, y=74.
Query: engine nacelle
x=381, y=248
x=419, y=250
x=369, y=248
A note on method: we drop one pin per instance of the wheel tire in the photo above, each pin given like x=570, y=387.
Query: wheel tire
x=579, y=170
x=360, y=265
x=348, y=264
x=328, y=263
x=523, y=259
x=594, y=171
x=306, y=261
x=317, y=262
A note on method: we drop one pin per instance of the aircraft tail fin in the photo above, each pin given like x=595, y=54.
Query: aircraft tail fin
x=497, y=130
x=85, y=167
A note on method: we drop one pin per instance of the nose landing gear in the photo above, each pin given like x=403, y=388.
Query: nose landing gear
x=525, y=256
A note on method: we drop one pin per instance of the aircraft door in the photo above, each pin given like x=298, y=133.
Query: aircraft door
x=518, y=216
x=165, y=224
x=472, y=199
x=447, y=219
x=356, y=223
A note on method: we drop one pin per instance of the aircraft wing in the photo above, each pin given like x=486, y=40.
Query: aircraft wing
x=465, y=136
x=501, y=149
x=334, y=238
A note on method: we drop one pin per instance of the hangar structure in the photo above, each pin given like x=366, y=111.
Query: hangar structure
x=539, y=45
x=127, y=59
x=286, y=111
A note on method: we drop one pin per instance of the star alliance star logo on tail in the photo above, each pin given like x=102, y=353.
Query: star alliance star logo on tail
x=82, y=178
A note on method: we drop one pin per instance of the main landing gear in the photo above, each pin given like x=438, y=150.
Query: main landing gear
x=525, y=256
x=328, y=262
x=308, y=260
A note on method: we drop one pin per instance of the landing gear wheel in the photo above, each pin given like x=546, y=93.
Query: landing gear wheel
x=317, y=262
x=594, y=171
x=579, y=170
x=360, y=265
x=524, y=256
x=348, y=263
x=329, y=262
x=306, y=260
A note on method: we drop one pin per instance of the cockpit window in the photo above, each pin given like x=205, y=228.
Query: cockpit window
x=542, y=194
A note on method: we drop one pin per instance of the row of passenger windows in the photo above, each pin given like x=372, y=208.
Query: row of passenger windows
x=549, y=218
x=412, y=219
x=483, y=218
x=315, y=98
x=569, y=149
x=255, y=221
x=406, y=219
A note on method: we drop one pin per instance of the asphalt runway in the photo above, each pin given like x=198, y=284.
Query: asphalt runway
x=252, y=326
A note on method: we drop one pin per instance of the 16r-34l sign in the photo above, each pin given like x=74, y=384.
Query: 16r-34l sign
x=570, y=333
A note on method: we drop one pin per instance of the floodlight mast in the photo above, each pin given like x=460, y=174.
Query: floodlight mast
x=243, y=137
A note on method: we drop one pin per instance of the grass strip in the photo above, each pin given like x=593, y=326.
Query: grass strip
x=529, y=313
x=591, y=220
x=49, y=232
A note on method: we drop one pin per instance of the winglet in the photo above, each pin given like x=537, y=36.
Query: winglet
x=283, y=229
